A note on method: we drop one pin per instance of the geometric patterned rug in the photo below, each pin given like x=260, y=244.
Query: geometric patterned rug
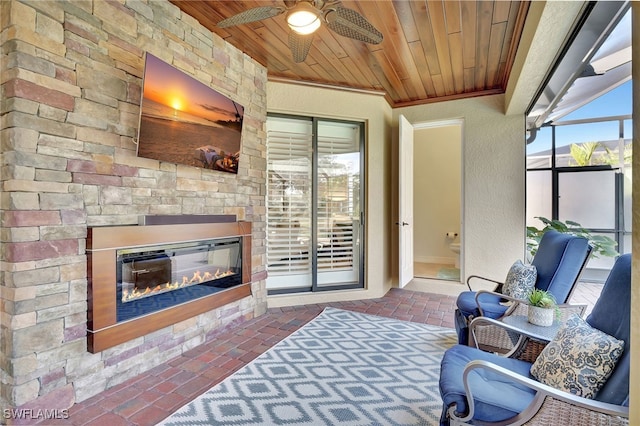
x=342, y=368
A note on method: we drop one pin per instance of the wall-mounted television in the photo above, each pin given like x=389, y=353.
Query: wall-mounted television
x=184, y=121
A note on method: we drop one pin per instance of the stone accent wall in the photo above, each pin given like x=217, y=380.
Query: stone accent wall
x=71, y=88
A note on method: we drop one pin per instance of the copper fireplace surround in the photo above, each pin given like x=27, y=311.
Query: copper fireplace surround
x=109, y=287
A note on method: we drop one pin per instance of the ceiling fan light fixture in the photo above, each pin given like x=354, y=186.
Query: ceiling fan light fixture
x=304, y=19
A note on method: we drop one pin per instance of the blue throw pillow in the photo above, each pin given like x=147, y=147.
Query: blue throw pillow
x=579, y=359
x=521, y=279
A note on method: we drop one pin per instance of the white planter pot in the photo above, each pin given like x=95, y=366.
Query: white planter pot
x=541, y=316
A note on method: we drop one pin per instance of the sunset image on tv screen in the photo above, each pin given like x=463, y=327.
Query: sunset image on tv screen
x=184, y=121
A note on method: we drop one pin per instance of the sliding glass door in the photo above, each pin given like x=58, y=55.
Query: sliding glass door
x=289, y=203
x=314, y=208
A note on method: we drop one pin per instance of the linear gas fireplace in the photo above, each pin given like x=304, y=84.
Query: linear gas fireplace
x=153, y=278
x=143, y=278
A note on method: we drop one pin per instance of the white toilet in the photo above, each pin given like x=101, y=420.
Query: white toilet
x=455, y=247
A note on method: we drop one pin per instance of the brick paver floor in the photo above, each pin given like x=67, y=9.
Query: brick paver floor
x=155, y=394
x=152, y=396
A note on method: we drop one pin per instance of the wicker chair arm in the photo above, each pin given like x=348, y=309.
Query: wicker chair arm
x=498, y=284
x=566, y=406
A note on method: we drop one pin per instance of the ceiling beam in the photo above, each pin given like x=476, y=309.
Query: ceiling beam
x=546, y=29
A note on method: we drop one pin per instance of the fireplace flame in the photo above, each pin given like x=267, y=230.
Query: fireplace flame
x=196, y=278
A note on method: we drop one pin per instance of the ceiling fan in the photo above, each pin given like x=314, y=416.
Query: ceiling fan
x=304, y=17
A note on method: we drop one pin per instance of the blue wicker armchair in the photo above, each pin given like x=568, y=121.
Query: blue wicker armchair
x=479, y=387
x=559, y=261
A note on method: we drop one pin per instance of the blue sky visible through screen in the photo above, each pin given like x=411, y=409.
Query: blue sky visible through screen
x=614, y=103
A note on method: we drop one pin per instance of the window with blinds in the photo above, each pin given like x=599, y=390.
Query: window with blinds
x=289, y=181
x=313, y=204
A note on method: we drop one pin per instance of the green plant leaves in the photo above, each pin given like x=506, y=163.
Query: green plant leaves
x=543, y=299
x=603, y=246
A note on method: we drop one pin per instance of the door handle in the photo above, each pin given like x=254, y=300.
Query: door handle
x=403, y=223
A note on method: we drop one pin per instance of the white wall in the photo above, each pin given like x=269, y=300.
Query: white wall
x=376, y=113
x=437, y=186
x=493, y=151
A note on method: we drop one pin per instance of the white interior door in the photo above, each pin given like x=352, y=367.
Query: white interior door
x=405, y=201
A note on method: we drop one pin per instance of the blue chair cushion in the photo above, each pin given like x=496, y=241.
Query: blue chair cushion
x=496, y=397
x=490, y=303
x=615, y=298
x=559, y=261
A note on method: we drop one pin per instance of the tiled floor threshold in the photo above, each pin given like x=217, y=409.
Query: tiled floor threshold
x=155, y=394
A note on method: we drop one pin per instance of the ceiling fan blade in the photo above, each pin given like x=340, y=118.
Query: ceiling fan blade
x=349, y=23
x=251, y=15
x=299, y=45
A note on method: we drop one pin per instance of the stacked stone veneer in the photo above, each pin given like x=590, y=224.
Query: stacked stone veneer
x=71, y=88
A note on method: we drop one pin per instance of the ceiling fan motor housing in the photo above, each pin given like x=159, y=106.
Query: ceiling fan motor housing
x=304, y=17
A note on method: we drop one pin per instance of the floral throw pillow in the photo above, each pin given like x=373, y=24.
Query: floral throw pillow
x=521, y=279
x=579, y=359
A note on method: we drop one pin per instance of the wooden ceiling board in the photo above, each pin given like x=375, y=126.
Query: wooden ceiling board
x=428, y=40
x=469, y=18
x=395, y=88
x=432, y=50
x=452, y=14
x=399, y=54
x=516, y=22
x=496, y=41
x=457, y=62
x=336, y=69
x=469, y=80
x=511, y=18
x=510, y=25
x=484, y=19
x=421, y=62
x=405, y=15
x=358, y=73
x=361, y=58
x=441, y=38
x=501, y=11
x=438, y=83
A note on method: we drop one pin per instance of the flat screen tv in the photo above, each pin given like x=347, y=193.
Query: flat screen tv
x=184, y=121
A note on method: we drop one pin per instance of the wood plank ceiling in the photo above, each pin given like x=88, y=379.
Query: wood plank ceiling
x=431, y=51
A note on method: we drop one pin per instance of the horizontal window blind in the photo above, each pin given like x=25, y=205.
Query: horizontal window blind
x=313, y=204
x=289, y=181
x=336, y=202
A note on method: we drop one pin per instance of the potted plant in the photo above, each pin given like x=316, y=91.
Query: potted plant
x=542, y=307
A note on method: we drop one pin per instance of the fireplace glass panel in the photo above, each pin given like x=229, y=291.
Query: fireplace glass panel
x=157, y=277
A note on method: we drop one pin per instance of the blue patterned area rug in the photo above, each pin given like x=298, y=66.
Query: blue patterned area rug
x=342, y=367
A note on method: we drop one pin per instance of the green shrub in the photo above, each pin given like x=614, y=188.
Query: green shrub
x=603, y=246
